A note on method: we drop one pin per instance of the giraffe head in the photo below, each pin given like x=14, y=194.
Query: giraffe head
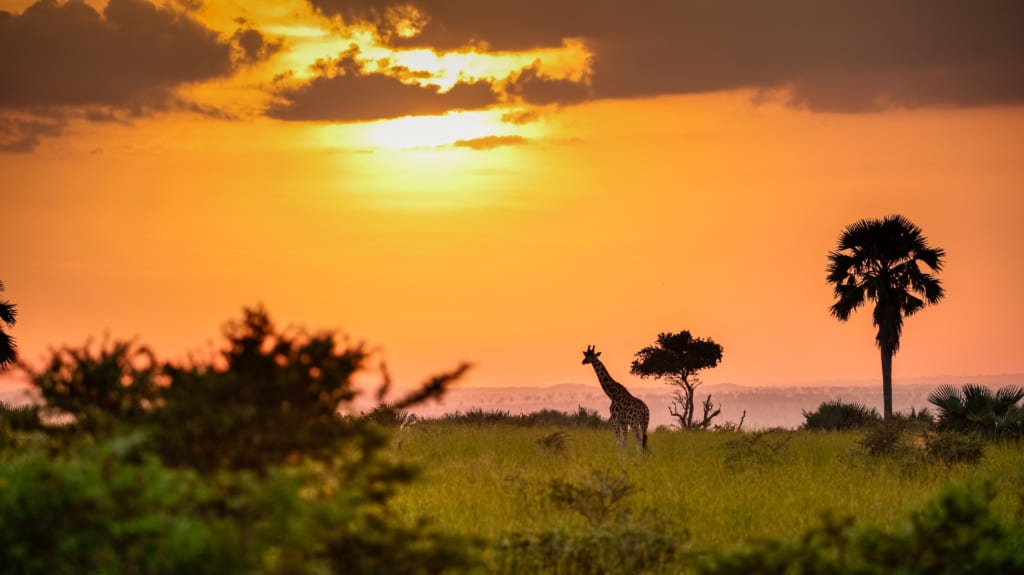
x=590, y=356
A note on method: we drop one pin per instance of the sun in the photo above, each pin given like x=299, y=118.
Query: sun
x=417, y=132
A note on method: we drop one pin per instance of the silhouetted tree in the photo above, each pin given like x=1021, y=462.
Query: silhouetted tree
x=879, y=260
x=8, y=317
x=678, y=357
x=273, y=398
x=99, y=386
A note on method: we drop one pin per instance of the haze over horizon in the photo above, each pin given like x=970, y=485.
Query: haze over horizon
x=507, y=184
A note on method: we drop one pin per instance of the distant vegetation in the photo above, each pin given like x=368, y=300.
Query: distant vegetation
x=582, y=418
x=836, y=415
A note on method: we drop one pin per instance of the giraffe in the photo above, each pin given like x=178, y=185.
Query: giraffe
x=628, y=413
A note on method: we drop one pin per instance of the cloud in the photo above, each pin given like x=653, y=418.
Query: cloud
x=346, y=93
x=22, y=135
x=254, y=46
x=532, y=87
x=67, y=60
x=840, y=55
x=134, y=54
x=490, y=142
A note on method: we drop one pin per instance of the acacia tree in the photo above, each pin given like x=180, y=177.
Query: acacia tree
x=879, y=260
x=8, y=317
x=678, y=357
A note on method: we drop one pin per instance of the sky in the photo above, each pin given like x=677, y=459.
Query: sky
x=508, y=182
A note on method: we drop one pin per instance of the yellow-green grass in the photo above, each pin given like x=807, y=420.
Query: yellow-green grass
x=491, y=481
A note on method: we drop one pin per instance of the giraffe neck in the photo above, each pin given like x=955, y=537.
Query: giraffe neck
x=613, y=389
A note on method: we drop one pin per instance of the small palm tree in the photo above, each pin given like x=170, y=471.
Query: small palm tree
x=8, y=317
x=975, y=408
x=880, y=260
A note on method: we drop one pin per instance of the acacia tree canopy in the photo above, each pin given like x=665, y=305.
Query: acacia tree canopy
x=678, y=355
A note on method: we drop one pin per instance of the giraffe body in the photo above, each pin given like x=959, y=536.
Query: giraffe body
x=628, y=413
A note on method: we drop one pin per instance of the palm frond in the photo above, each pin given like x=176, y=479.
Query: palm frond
x=1009, y=395
x=945, y=394
x=932, y=257
x=8, y=350
x=851, y=297
x=840, y=268
x=978, y=399
x=8, y=313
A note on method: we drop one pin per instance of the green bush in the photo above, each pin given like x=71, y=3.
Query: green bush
x=615, y=549
x=955, y=534
x=16, y=423
x=237, y=466
x=950, y=448
x=612, y=538
x=112, y=508
x=836, y=415
x=756, y=448
x=97, y=389
x=888, y=439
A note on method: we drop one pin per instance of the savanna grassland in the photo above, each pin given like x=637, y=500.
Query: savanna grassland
x=706, y=491
x=245, y=466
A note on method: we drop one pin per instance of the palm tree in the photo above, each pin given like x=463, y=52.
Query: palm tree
x=880, y=261
x=8, y=316
x=975, y=408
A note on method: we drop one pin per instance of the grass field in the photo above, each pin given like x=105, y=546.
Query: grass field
x=717, y=490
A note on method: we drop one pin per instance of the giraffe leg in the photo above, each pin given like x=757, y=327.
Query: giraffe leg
x=621, y=433
x=640, y=434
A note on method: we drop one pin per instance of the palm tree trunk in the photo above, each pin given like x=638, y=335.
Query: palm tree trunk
x=886, y=383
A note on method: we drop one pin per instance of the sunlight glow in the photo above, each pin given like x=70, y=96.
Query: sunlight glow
x=433, y=131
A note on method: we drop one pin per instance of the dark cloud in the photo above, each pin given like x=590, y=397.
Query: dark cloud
x=63, y=61
x=253, y=45
x=838, y=55
x=133, y=54
x=20, y=135
x=530, y=86
x=348, y=94
x=490, y=142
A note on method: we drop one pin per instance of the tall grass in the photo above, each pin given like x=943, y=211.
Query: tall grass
x=714, y=489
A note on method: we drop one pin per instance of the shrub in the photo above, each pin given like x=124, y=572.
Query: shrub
x=98, y=388
x=612, y=540
x=836, y=415
x=887, y=439
x=16, y=422
x=113, y=508
x=615, y=549
x=582, y=418
x=388, y=415
x=951, y=448
x=757, y=448
x=477, y=416
x=598, y=500
x=955, y=534
x=238, y=466
x=553, y=443
x=975, y=408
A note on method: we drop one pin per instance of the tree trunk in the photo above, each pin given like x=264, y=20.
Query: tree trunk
x=886, y=383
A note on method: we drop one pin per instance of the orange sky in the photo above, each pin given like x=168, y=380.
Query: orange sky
x=572, y=200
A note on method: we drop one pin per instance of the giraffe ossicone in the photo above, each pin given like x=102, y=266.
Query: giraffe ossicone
x=628, y=413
